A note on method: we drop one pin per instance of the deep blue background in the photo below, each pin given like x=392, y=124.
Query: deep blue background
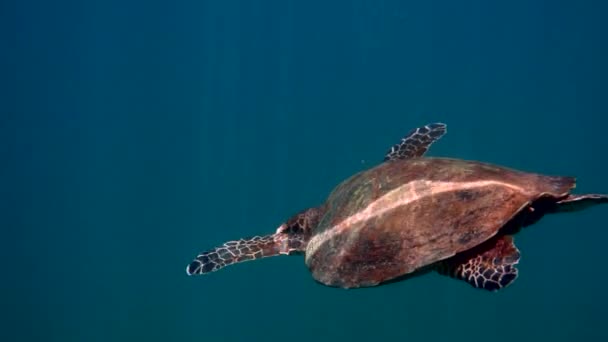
x=136, y=134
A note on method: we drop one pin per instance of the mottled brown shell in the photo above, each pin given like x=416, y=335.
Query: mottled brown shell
x=403, y=215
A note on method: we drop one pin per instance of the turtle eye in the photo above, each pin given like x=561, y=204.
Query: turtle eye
x=292, y=227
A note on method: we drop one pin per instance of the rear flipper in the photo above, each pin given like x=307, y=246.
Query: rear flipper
x=490, y=266
x=579, y=202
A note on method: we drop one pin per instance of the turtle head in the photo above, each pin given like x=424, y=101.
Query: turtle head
x=294, y=234
x=303, y=222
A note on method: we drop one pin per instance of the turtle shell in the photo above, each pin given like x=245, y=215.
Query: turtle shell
x=402, y=216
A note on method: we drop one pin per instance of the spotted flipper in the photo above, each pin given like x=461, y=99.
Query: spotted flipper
x=491, y=266
x=416, y=142
x=241, y=250
x=290, y=238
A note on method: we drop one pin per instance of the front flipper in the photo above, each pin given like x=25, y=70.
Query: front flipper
x=290, y=238
x=232, y=252
x=416, y=142
x=490, y=266
x=241, y=250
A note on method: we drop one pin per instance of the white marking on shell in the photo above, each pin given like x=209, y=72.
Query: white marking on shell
x=395, y=198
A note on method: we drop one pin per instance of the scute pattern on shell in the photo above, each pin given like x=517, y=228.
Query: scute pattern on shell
x=403, y=216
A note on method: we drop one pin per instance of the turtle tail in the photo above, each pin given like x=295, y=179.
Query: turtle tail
x=241, y=250
x=576, y=202
x=569, y=202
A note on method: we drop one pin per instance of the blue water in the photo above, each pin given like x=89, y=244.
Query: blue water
x=136, y=134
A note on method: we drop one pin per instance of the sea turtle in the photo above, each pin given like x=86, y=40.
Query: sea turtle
x=413, y=214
